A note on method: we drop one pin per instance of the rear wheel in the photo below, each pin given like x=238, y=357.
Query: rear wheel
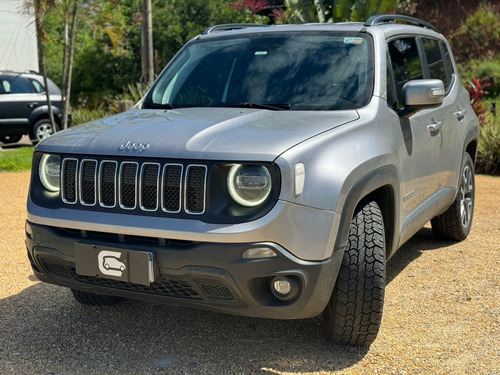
x=41, y=130
x=10, y=138
x=455, y=223
x=93, y=299
x=354, y=312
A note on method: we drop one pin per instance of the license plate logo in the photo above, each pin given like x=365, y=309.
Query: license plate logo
x=111, y=263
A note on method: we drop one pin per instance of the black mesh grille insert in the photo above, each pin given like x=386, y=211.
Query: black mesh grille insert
x=128, y=185
x=216, y=291
x=164, y=286
x=69, y=181
x=88, y=182
x=149, y=186
x=172, y=175
x=108, y=183
x=195, y=189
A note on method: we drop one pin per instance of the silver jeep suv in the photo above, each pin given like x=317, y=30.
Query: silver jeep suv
x=268, y=172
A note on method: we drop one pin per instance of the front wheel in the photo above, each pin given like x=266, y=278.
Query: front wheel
x=41, y=130
x=455, y=223
x=10, y=138
x=354, y=312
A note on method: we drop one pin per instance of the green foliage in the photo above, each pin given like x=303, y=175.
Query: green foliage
x=488, y=154
x=485, y=70
x=133, y=92
x=83, y=115
x=338, y=10
x=16, y=160
x=479, y=36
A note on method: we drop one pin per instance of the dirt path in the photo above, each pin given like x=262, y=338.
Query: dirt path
x=441, y=316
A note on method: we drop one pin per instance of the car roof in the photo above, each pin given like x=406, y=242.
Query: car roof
x=389, y=24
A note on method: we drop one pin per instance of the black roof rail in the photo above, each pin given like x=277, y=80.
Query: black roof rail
x=394, y=18
x=230, y=26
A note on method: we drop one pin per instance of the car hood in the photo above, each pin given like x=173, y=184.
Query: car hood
x=197, y=133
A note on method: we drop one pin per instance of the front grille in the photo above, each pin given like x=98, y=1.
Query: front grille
x=131, y=185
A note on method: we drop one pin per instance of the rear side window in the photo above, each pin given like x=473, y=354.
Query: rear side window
x=406, y=64
x=37, y=85
x=435, y=61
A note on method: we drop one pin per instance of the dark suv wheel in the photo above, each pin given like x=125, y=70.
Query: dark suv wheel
x=41, y=130
x=10, y=138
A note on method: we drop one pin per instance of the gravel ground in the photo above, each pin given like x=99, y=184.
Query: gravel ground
x=441, y=316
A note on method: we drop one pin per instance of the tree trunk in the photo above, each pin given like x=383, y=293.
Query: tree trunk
x=39, y=12
x=69, y=72
x=147, y=46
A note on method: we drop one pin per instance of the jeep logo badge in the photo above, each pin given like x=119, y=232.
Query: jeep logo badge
x=134, y=146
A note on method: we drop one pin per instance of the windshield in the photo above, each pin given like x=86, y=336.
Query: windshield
x=285, y=70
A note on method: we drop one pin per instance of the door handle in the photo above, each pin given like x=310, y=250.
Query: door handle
x=435, y=127
x=460, y=114
x=32, y=104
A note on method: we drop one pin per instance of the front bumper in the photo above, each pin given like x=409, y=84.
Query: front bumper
x=199, y=274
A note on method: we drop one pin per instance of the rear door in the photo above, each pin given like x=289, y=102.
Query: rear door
x=453, y=110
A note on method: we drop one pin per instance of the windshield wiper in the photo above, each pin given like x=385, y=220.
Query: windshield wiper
x=271, y=106
x=157, y=105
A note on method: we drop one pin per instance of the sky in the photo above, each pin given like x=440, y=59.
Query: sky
x=17, y=37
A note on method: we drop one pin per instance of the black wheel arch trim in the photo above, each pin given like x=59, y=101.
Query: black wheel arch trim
x=383, y=186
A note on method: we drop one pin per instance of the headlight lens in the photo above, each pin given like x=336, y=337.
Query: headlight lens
x=49, y=171
x=249, y=185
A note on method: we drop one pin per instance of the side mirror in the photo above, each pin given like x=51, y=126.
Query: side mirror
x=421, y=94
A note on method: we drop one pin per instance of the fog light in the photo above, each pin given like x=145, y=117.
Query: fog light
x=285, y=288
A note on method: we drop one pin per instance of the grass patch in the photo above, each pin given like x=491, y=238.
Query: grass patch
x=16, y=160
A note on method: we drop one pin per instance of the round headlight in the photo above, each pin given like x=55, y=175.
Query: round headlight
x=249, y=185
x=49, y=171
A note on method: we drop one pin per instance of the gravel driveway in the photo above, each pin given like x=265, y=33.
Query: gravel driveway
x=441, y=316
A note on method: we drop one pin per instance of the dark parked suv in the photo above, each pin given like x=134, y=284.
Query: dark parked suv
x=24, y=109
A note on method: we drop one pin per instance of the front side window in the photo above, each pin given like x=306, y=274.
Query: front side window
x=406, y=64
x=302, y=71
x=435, y=61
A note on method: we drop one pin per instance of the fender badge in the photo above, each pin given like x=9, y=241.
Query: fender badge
x=134, y=146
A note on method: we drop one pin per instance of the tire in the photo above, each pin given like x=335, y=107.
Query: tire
x=93, y=299
x=6, y=139
x=354, y=312
x=455, y=223
x=41, y=130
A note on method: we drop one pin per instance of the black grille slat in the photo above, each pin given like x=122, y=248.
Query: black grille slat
x=195, y=189
x=131, y=185
x=88, y=182
x=69, y=176
x=107, y=189
x=128, y=185
x=172, y=180
x=149, y=186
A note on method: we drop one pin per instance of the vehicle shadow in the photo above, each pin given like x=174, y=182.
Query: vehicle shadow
x=44, y=330
x=24, y=142
x=422, y=241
